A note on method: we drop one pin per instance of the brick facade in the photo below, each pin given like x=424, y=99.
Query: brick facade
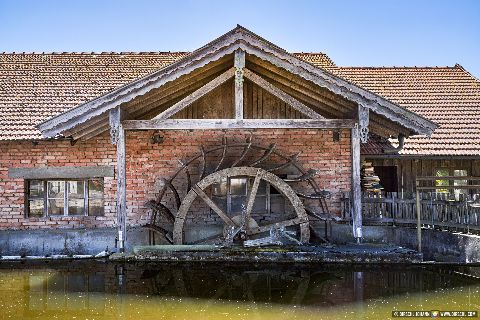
x=146, y=162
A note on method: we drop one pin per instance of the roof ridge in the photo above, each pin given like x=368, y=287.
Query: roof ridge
x=90, y=52
x=459, y=66
x=456, y=66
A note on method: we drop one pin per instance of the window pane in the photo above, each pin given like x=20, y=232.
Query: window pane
x=262, y=186
x=35, y=188
x=260, y=204
x=76, y=206
x=36, y=208
x=460, y=173
x=76, y=189
x=238, y=186
x=95, y=207
x=95, y=188
x=439, y=183
x=220, y=189
x=55, y=206
x=56, y=189
x=238, y=204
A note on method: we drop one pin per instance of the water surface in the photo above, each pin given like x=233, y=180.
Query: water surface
x=95, y=290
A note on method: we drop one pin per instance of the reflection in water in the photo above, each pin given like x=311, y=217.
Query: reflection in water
x=92, y=290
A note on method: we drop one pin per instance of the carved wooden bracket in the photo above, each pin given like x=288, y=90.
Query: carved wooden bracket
x=363, y=121
x=239, y=64
x=114, y=119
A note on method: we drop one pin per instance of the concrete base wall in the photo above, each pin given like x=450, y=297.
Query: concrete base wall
x=74, y=241
x=438, y=246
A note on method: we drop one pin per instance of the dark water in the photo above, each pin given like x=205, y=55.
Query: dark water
x=95, y=290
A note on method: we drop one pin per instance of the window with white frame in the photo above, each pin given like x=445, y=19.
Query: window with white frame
x=73, y=197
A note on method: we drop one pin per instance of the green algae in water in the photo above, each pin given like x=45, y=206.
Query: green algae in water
x=212, y=291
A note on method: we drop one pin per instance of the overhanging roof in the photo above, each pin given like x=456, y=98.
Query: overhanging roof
x=238, y=38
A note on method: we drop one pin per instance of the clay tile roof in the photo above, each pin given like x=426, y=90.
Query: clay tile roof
x=37, y=86
x=449, y=96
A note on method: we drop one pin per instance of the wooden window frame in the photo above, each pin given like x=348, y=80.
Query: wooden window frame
x=229, y=196
x=45, y=197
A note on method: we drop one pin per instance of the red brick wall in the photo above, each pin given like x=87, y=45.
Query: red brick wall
x=146, y=162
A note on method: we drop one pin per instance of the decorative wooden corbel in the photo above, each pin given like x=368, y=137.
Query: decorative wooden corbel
x=114, y=119
x=239, y=64
x=363, y=121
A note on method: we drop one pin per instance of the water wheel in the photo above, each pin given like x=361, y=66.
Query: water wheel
x=170, y=208
x=244, y=226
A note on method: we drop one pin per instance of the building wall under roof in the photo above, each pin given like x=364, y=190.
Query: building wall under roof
x=147, y=162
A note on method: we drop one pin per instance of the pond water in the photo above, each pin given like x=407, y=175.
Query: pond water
x=96, y=290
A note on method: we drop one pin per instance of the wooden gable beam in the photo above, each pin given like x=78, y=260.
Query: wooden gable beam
x=285, y=97
x=239, y=64
x=197, y=94
x=204, y=124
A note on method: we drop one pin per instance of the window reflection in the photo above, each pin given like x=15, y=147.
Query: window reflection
x=61, y=292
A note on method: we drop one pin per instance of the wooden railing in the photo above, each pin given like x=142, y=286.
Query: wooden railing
x=459, y=212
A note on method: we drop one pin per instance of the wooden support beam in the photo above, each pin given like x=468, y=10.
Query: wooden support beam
x=118, y=138
x=203, y=124
x=239, y=64
x=285, y=97
x=194, y=96
x=363, y=121
x=356, y=187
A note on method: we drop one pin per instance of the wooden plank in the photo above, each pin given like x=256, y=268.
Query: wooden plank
x=60, y=172
x=194, y=96
x=469, y=187
x=118, y=137
x=239, y=65
x=285, y=97
x=252, y=195
x=213, y=206
x=419, y=218
x=356, y=188
x=449, y=177
x=276, y=225
x=186, y=124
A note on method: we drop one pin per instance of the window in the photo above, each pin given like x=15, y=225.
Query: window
x=64, y=197
x=442, y=182
x=230, y=194
x=446, y=172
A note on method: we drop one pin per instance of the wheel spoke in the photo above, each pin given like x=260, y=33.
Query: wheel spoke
x=251, y=197
x=213, y=206
x=280, y=224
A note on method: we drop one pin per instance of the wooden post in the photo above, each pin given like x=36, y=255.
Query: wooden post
x=419, y=211
x=356, y=189
x=117, y=133
x=239, y=64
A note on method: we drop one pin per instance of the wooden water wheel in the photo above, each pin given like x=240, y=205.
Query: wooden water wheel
x=169, y=217
x=244, y=226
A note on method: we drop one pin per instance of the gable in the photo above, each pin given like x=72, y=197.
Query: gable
x=214, y=55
